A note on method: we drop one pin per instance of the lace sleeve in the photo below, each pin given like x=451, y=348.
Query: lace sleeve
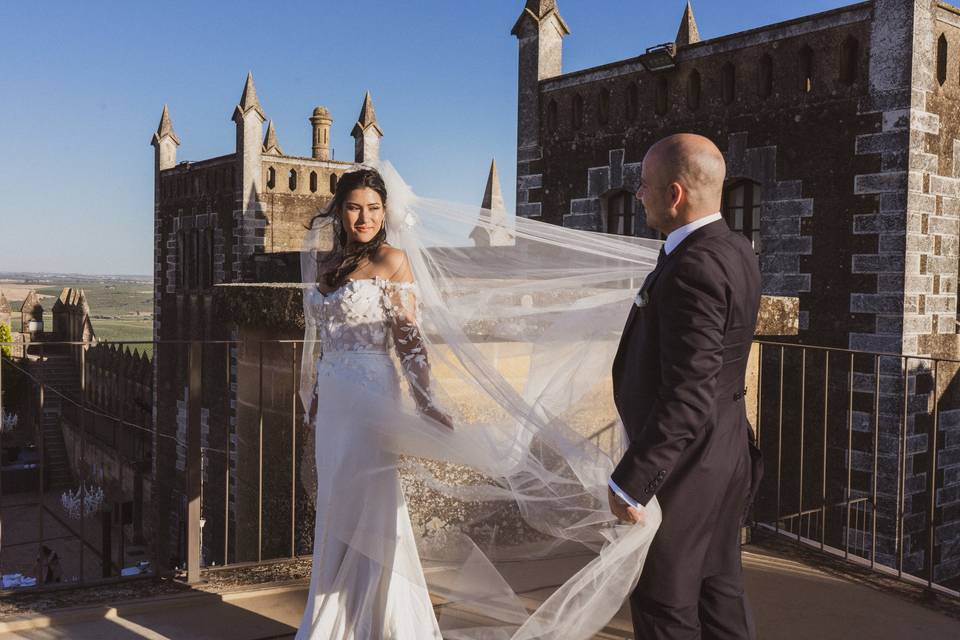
x=403, y=310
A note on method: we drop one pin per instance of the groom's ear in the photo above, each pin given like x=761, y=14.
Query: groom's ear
x=676, y=194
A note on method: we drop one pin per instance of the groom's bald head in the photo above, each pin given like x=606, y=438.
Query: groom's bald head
x=682, y=180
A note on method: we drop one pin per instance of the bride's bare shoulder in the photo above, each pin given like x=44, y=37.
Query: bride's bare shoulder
x=394, y=262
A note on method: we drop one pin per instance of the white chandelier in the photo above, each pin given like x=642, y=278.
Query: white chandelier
x=90, y=495
x=92, y=499
x=7, y=421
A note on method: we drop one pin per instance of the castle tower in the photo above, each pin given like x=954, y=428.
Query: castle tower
x=321, y=122
x=540, y=31
x=270, y=145
x=249, y=117
x=367, y=133
x=165, y=143
x=688, y=32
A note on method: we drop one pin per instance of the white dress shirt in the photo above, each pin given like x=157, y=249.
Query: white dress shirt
x=674, y=238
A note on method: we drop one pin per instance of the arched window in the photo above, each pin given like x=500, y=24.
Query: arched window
x=728, y=83
x=552, y=115
x=661, y=96
x=942, y=59
x=849, y=60
x=741, y=209
x=633, y=101
x=620, y=213
x=693, y=90
x=271, y=178
x=576, y=112
x=603, y=106
x=313, y=182
x=805, y=68
x=765, y=77
x=333, y=183
x=292, y=180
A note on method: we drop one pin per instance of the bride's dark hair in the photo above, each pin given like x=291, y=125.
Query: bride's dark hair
x=353, y=254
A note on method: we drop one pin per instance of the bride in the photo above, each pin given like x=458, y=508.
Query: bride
x=509, y=341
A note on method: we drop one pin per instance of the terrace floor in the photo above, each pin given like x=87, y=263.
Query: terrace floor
x=795, y=594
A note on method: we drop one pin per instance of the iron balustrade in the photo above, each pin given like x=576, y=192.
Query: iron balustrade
x=842, y=475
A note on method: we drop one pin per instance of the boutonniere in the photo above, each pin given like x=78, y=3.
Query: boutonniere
x=642, y=299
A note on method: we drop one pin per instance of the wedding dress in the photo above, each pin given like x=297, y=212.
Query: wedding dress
x=353, y=595
x=514, y=342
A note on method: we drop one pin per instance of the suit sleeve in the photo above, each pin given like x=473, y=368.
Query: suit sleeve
x=692, y=319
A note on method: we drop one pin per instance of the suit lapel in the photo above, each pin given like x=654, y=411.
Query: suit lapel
x=706, y=231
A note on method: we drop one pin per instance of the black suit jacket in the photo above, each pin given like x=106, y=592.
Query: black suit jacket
x=678, y=376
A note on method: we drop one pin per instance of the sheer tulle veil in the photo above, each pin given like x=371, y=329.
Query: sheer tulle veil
x=521, y=321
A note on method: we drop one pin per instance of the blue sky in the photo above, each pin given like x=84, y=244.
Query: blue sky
x=83, y=84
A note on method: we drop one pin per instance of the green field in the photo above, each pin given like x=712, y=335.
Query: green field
x=119, y=311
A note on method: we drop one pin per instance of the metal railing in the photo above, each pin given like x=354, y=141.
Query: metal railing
x=851, y=443
x=846, y=469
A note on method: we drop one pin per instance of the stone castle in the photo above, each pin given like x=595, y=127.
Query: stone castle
x=841, y=135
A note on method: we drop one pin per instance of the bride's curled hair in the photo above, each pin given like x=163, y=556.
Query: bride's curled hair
x=348, y=257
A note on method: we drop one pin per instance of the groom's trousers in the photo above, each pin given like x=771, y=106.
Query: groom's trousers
x=692, y=582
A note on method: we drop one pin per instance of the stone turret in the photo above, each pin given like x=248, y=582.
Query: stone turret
x=249, y=117
x=540, y=31
x=688, y=32
x=494, y=232
x=321, y=122
x=367, y=133
x=270, y=145
x=165, y=141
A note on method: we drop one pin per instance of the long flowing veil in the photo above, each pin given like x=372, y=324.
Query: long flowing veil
x=520, y=321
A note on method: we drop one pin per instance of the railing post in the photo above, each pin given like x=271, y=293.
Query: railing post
x=823, y=464
x=194, y=464
x=293, y=452
x=260, y=456
x=876, y=460
x=846, y=537
x=226, y=462
x=902, y=464
x=803, y=417
x=780, y=444
x=933, y=476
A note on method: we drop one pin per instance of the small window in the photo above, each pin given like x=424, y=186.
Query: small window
x=662, y=97
x=271, y=178
x=292, y=180
x=942, y=59
x=576, y=112
x=849, y=60
x=313, y=182
x=741, y=209
x=552, y=115
x=805, y=62
x=620, y=213
x=333, y=183
x=633, y=101
x=693, y=90
x=765, y=77
x=728, y=83
x=603, y=106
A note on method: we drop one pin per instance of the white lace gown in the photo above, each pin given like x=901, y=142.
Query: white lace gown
x=367, y=581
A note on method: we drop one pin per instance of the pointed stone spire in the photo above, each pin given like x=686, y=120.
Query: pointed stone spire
x=539, y=10
x=493, y=195
x=492, y=231
x=166, y=128
x=367, y=133
x=249, y=100
x=367, y=117
x=270, y=145
x=688, y=32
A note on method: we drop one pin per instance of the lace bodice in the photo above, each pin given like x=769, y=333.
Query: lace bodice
x=365, y=316
x=360, y=315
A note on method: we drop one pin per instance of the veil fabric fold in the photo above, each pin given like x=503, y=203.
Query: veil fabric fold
x=519, y=337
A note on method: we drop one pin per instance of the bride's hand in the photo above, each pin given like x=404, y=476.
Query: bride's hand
x=439, y=416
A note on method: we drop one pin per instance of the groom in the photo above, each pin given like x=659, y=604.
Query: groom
x=678, y=382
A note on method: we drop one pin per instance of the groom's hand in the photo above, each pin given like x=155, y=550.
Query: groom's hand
x=623, y=511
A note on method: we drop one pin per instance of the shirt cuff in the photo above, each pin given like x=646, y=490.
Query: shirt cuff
x=623, y=496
